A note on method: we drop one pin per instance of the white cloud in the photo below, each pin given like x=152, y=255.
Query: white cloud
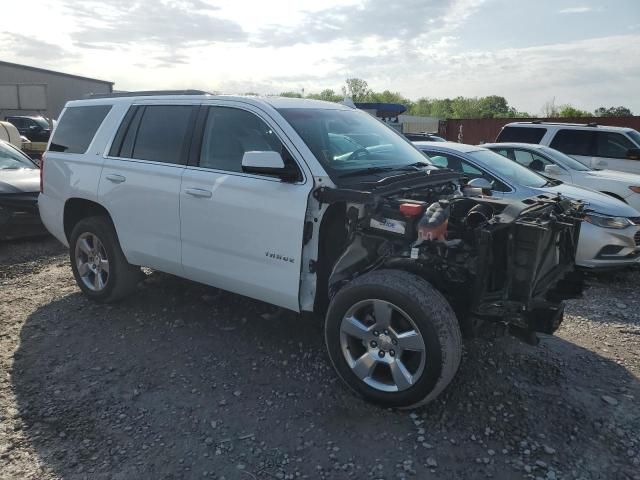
x=577, y=10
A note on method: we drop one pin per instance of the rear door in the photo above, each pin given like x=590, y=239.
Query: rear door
x=242, y=232
x=580, y=144
x=140, y=182
x=611, y=152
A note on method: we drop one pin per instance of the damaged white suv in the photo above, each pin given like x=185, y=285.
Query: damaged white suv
x=313, y=207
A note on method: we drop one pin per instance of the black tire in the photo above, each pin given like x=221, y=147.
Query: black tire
x=122, y=278
x=431, y=314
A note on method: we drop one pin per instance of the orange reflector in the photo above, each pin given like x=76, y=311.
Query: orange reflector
x=411, y=209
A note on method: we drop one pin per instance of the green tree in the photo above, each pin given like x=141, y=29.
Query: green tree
x=327, y=95
x=613, y=112
x=568, y=110
x=291, y=94
x=493, y=106
x=357, y=89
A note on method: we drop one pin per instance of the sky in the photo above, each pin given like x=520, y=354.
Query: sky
x=581, y=52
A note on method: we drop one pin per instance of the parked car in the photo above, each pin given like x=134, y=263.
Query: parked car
x=35, y=128
x=610, y=234
x=596, y=146
x=254, y=196
x=19, y=189
x=552, y=163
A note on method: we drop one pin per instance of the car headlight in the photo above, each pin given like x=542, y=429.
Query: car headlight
x=635, y=189
x=607, y=222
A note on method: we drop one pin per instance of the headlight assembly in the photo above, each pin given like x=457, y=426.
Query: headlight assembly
x=606, y=221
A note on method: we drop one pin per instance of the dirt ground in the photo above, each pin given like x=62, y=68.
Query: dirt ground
x=185, y=381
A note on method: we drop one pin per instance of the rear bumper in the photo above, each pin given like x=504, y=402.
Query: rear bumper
x=51, y=213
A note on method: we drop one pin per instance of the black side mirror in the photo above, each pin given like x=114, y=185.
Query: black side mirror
x=633, y=154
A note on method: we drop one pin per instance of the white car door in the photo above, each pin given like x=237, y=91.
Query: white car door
x=242, y=232
x=611, y=153
x=140, y=183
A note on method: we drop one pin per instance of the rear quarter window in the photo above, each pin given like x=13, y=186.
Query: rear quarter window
x=77, y=128
x=521, y=134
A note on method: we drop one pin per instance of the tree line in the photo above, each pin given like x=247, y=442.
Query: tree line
x=492, y=106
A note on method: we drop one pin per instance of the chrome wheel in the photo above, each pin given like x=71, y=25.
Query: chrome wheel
x=382, y=345
x=92, y=262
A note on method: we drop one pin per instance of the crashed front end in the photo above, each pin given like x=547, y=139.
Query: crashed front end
x=493, y=259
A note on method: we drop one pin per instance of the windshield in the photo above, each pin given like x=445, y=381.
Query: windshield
x=41, y=121
x=348, y=141
x=508, y=169
x=12, y=159
x=635, y=136
x=565, y=160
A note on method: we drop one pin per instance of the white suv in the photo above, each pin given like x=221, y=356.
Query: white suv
x=596, y=146
x=310, y=206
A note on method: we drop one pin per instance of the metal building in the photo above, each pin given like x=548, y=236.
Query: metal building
x=30, y=90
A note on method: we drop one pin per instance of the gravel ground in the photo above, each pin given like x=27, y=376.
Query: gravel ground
x=185, y=381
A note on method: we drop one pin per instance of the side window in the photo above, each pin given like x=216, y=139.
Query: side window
x=574, y=142
x=612, y=145
x=521, y=134
x=161, y=133
x=474, y=172
x=230, y=132
x=530, y=160
x=439, y=161
x=77, y=127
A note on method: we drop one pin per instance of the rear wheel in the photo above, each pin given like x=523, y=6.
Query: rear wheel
x=99, y=266
x=393, y=338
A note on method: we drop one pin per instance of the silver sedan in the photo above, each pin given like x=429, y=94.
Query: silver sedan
x=610, y=234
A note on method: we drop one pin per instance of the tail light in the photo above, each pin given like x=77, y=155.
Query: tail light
x=42, y=173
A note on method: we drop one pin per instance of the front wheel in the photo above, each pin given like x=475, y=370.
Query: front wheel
x=393, y=338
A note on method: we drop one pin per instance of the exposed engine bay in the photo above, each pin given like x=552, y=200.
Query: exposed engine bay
x=493, y=259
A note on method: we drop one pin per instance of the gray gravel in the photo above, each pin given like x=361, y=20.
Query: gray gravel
x=185, y=381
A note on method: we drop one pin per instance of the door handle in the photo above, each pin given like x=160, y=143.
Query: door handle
x=198, y=192
x=112, y=177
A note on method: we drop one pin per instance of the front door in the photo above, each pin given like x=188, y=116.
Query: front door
x=242, y=232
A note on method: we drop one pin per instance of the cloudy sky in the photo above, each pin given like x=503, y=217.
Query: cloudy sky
x=583, y=52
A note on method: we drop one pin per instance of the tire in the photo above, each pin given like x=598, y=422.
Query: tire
x=351, y=343
x=94, y=240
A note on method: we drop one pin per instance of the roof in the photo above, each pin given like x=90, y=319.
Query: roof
x=53, y=72
x=275, y=102
x=456, y=147
x=585, y=126
x=536, y=146
x=383, y=109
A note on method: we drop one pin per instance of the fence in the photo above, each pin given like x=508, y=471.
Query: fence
x=482, y=130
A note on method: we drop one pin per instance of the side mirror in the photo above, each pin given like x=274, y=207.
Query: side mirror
x=267, y=163
x=633, y=154
x=553, y=170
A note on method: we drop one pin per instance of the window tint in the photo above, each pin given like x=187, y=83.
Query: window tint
x=161, y=133
x=229, y=133
x=613, y=145
x=574, y=142
x=12, y=159
x=77, y=127
x=521, y=134
x=530, y=160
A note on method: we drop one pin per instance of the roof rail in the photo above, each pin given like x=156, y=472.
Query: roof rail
x=592, y=124
x=147, y=93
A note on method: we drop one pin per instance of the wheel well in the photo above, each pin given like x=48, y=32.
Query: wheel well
x=78, y=208
x=615, y=196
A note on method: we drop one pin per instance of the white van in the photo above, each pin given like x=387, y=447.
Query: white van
x=596, y=146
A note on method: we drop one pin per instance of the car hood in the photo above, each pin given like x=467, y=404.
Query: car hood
x=23, y=180
x=598, y=202
x=623, y=177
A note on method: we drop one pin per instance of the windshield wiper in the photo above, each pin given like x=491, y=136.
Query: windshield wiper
x=365, y=171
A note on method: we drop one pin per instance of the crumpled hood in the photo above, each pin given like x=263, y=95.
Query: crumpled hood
x=23, y=180
x=596, y=201
x=628, y=178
